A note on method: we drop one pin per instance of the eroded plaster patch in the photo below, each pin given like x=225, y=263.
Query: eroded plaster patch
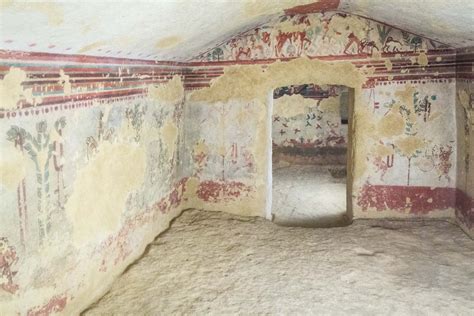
x=169, y=134
x=169, y=41
x=391, y=124
x=101, y=188
x=52, y=11
x=92, y=46
x=64, y=80
x=330, y=105
x=408, y=145
x=383, y=150
x=292, y=105
x=250, y=82
x=13, y=166
x=422, y=59
x=12, y=91
x=170, y=92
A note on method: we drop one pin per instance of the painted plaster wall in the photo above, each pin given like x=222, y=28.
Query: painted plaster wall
x=307, y=127
x=404, y=146
x=411, y=151
x=220, y=158
x=86, y=183
x=317, y=34
x=66, y=202
x=465, y=144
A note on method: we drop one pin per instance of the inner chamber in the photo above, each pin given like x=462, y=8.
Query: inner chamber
x=310, y=139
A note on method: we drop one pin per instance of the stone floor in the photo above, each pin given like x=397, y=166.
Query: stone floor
x=214, y=263
x=308, y=196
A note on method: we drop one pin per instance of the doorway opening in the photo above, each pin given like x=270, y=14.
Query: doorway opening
x=311, y=156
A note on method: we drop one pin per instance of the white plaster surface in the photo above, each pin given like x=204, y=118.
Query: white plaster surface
x=215, y=263
x=163, y=30
x=308, y=196
x=178, y=29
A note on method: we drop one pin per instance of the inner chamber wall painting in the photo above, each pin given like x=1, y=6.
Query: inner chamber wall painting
x=309, y=158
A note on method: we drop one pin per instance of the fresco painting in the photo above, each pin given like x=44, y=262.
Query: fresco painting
x=222, y=157
x=51, y=145
x=407, y=99
x=212, y=152
x=310, y=129
x=328, y=33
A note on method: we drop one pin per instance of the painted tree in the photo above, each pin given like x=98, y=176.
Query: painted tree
x=136, y=117
x=58, y=155
x=40, y=149
x=217, y=54
x=407, y=113
x=423, y=105
x=383, y=31
x=200, y=156
x=415, y=43
x=18, y=137
x=162, y=164
x=222, y=149
x=410, y=147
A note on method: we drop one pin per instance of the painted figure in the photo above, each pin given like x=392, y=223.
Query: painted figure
x=7, y=259
x=392, y=46
x=352, y=39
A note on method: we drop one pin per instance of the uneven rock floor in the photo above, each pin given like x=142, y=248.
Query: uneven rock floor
x=215, y=263
x=308, y=196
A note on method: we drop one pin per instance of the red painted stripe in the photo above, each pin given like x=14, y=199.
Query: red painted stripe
x=416, y=200
x=66, y=106
x=319, y=6
x=104, y=81
x=41, y=56
x=21, y=55
x=434, y=53
x=85, y=96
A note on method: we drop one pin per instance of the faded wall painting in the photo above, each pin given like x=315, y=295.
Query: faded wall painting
x=310, y=124
x=99, y=154
x=83, y=182
x=222, y=157
x=317, y=34
x=309, y=155
x=405, y=142
x=413, y=146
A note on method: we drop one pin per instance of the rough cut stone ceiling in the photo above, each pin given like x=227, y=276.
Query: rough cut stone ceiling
x=177, y=29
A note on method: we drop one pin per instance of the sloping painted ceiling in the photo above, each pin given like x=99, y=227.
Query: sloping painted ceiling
x=448, y=21
x=177, y=29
